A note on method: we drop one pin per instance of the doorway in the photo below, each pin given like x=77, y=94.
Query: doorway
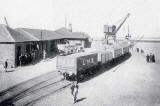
x=18, y=55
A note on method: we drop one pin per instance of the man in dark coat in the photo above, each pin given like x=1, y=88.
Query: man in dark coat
x=153, y=58
x=137, y=49
x=147, y=58
x=74, y=90
x=6, y=65
x=142, y=51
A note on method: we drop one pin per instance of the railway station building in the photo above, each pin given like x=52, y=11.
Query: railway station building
x=34, y=42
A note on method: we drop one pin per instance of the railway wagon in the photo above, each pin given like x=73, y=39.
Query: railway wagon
x=109, y=56
x=76, y=63
x=101, y=56
x=104, y=56
x=116, y=51
x=125, y=49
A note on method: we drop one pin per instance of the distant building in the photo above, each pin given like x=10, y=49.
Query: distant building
x=74, y=38
x=21, y=41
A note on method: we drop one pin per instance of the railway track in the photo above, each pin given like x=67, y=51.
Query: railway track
x=34, y=96
x=29, y=92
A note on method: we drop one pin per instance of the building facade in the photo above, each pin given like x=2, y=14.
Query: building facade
x=24, y=46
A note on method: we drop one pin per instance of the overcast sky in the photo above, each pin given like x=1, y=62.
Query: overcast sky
x=85, y=15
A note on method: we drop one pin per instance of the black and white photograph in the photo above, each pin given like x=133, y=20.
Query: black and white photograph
x=79, y=53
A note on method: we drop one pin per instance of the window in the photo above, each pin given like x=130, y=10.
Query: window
x=88, y=61
x=92, y=59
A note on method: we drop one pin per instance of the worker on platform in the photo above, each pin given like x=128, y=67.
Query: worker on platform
x=6, y=65
x=26, y=58
x=65, y=75
x=153, y=58
x=137, y=50
x=74, y=90
x=44, y=54
x=147, y=58
x=142, y=51
x=20, y=60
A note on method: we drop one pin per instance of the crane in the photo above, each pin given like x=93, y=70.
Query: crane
x=111, y=30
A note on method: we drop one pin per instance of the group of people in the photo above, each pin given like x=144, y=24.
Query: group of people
x=138, y=50
x=25, y=59
x=150, y=58
x=29, y=57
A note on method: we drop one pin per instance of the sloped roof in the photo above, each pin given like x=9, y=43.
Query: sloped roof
x=27, y=34
x=67, y=34
x=5, y=35
x=63, y=31
x=8, y=34
x=52, y=35
x=79, y=35
x=42, y=34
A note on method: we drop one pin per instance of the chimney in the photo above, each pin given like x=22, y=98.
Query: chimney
x=70, y=27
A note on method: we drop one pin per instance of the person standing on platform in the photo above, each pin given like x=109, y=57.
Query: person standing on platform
x=44, y=54
x=33, y=55
x=153, y=58
x=25, y=59
x=142, y=51
x=29, y=58
x=6, y=65
x=147, y=58
x=74, y=90
x=137, y=50
x=20, y=60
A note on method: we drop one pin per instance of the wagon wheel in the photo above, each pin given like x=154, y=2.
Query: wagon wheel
x=80, y=75
x=90, y=70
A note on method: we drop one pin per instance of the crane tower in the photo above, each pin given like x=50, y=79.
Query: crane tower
x=111, y=30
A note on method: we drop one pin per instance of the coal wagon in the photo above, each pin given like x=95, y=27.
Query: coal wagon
x=77, y=64
x=104, y=56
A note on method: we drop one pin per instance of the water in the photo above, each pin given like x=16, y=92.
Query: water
x=150, y=47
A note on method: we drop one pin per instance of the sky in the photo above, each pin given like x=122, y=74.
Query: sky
x=87, y=16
